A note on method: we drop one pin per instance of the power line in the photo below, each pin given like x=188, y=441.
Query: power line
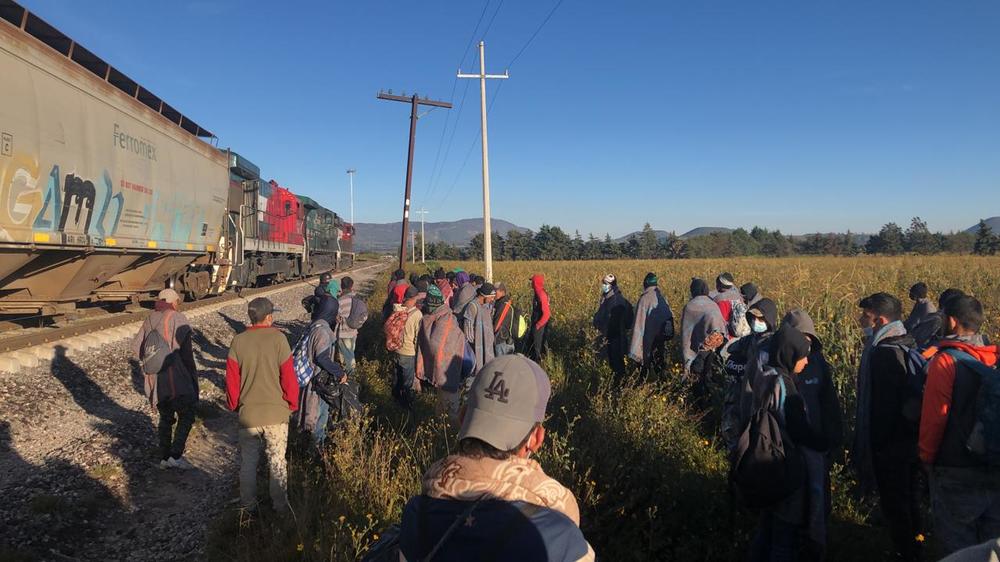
x=535, y=34
x=490, y=25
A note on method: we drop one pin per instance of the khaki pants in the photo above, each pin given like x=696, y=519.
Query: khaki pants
x=275, y=439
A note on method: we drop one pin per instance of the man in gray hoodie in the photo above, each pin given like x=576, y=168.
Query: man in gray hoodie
x=652, y=328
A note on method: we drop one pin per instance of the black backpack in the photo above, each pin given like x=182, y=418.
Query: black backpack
x=766, y=466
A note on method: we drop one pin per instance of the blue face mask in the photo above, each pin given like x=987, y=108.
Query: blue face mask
x=759, y=326
x=605, y=288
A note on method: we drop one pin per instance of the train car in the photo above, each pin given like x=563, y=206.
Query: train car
x=329, y=240
x=266, y=228
x=106, y=191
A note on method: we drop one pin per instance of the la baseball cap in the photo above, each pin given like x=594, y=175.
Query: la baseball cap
x=507, y=399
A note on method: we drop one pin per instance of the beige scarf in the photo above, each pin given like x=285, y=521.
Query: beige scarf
x=515, y=479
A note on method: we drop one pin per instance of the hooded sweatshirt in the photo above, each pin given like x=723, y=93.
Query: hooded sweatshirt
x=949, y=407
x=441, y=349
x=540, y=313
x=922, y=311
x=701, y=316
x=466, y=292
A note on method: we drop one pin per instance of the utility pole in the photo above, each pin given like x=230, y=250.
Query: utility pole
x=413, y=251
x=350, y=172
x=487, y=228
x=422, y=212
x=415, y=101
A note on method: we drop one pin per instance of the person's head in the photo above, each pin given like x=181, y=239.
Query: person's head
x=963, y=316
x=476, y=280
x=170, y=297
x=699, y=288
x=650, y=280
x=347, y=284
x=949, y=294
x=434, y=300
x=324, y=278
x=426, y=278
x=410, y=296
x=450, y=276
x=789, y=350
x=399, y=292
x=800, y=320
x=724, y=282
x=918, y=291
x=763, y=316
x=461, y=278
x=538, y=283
x=486, y=293
x=505, y=410
x=878, y=310
x=439, y=274
x=261, y=312
x=399, y=275
x=609, y=283
x=749, y=292
x=501, y=290
x=414, y=278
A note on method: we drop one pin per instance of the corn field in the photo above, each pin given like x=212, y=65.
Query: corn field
x=650, y=479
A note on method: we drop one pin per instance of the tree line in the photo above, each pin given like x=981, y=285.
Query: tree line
x=552, y=243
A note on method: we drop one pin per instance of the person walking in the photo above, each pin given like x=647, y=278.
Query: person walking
x=465, y=291
x=441, y=353
x=750, y=294
x=964, y=483
x=612, y=321
x=318, y=393
x=352, y=315
x=506, y=316
x=489, y=500
x=701, y=316
x=443, y=283
x=262, y=388
x=652, y=328
x=327, y=305
x=406, y=354
x=922, y=310
x=748, y=356
x=819, y=396
x=173, y=389
x=540, y=316
x=885, y=445
x=477, y=324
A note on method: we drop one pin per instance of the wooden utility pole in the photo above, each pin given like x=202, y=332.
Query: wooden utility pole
x=415, y=101
x=487, y=228
x=422, y=214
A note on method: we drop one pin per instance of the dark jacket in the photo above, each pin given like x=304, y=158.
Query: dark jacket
x=614, y=316
x=327, y=308
x=891, y=433
x=495, y=530
x=816, y=387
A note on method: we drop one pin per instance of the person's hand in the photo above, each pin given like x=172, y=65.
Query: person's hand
x=343, y=379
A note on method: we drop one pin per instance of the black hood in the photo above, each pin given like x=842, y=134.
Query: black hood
x=769, y=310
x=788, y=347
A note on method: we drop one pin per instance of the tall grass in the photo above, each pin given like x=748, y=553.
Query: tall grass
x=650, y=479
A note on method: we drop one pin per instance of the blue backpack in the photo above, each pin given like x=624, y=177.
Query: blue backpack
x=301, y=360
x=984, y=439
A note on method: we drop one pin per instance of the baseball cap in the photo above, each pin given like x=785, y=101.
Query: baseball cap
x=169, y=295
x=508, y=397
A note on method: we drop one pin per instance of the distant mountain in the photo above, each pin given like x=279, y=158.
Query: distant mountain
x=376, y=237
x=992, y=222
x=705, y=231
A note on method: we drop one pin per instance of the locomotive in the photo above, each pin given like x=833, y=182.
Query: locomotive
x=108, y=193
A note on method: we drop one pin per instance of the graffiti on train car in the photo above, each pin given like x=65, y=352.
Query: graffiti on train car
x=72, y=203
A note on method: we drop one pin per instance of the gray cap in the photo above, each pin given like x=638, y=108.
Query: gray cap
x=507, y=399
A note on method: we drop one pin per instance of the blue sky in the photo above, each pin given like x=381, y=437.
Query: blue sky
x=804, y=116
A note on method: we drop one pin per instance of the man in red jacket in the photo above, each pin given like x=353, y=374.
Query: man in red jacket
x=965, y=490
x=261, y=387
x=540, y=315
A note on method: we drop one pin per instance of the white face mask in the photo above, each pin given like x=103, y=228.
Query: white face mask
x=605, y=288
x=759, y=326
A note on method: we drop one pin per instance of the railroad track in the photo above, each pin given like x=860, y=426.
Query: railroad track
x=39, y=345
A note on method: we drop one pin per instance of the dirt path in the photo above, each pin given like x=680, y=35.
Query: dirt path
x=78, y=457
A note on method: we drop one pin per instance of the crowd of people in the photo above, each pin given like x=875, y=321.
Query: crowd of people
x=927, y=413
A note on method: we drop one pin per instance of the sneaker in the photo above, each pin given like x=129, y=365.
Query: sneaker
x=180, y=463
x=164, y=464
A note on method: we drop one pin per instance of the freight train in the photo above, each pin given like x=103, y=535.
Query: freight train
x=108, y=193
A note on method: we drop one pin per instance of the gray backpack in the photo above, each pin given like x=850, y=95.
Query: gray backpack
x=156, y=350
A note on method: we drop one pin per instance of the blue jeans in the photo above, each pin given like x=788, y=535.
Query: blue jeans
x=323, y=416
x=406, y=371
x=775, y=540
x=966, y=506
x=345, y=346
x=501, y=348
